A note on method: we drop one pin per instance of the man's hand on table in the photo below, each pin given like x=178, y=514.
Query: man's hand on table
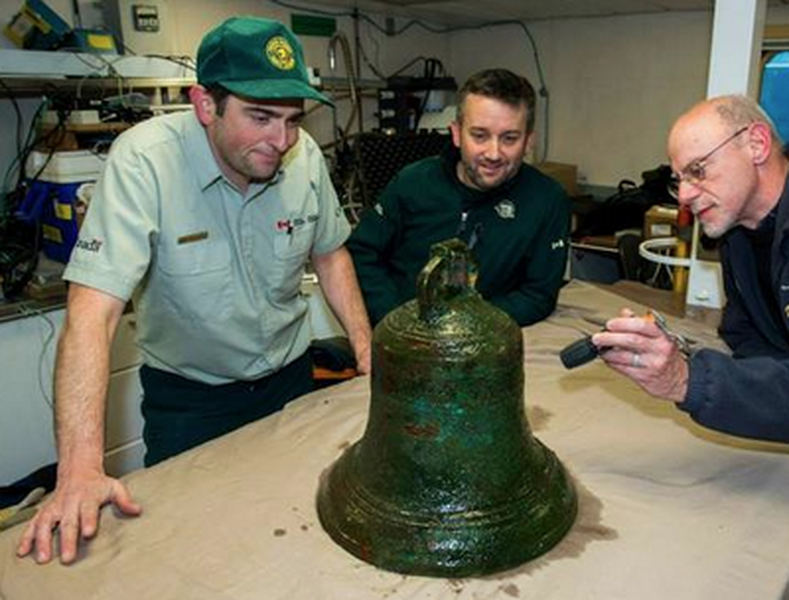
x=639, y=349
x=73, y=510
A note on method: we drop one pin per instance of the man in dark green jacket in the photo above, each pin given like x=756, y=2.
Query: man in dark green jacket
x=515, y=219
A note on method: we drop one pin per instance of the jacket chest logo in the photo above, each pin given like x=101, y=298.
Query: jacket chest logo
x=505, y=209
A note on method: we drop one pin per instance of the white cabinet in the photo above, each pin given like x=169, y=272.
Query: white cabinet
x=124, y=449
x=27, y=354
x=27, y=349
x=27, y=358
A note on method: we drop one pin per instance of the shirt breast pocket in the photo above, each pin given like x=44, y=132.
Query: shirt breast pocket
x=195, y=259
x=196, y=278
x=292, y=252
x=296, y=243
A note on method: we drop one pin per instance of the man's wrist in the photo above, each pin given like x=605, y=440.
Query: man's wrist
x=679, y=390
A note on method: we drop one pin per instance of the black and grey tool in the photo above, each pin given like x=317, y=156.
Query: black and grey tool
x=583, y=351
x=579, y=353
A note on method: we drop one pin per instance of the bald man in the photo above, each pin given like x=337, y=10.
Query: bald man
x=730, y=171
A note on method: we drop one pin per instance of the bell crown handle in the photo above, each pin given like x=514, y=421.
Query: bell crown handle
x=449, y=273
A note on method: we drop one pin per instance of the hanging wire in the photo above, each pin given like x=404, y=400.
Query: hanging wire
x=17, y=112
x=18, y=164
x=372, y=64
x=542, y=90
x=48, y=337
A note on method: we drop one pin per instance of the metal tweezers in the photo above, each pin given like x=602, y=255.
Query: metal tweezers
x=680, y=340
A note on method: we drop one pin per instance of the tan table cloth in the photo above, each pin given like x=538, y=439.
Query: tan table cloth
x=668, y=510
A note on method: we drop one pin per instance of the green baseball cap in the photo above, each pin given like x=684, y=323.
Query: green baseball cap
x=255, y=58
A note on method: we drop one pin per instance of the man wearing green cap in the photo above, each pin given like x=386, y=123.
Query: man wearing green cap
x=206, y=220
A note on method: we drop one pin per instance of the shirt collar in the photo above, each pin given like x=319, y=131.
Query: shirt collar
x=206, y=168
x=203, y=163
x=782, y=208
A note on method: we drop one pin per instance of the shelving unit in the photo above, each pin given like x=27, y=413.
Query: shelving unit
x=27, y=438
x=87, y=87
x=27, y=73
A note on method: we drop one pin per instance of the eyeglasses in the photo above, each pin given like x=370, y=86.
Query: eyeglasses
x=695, y=172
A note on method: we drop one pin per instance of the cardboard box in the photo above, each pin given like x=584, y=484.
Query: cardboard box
x=660, y=221
x=565, y=174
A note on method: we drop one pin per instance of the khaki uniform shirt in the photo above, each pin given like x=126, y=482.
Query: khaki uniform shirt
x=214, y=274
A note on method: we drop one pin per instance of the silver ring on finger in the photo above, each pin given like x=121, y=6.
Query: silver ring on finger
x=636, y=361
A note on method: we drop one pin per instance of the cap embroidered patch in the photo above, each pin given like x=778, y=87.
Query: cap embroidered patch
x=280, y=53
x=255, y=58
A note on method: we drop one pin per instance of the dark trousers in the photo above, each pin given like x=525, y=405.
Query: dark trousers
x=180, y=413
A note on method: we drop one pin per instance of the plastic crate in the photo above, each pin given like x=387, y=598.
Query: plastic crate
x=55, y=196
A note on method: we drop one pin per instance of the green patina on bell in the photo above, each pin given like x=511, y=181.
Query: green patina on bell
x=447, y=480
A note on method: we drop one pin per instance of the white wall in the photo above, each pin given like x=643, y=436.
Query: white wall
x=195, y=17
x=777, y=15
x=615, y=83
x=191, y=19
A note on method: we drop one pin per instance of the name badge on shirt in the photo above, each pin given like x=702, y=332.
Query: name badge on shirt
x=190, y=238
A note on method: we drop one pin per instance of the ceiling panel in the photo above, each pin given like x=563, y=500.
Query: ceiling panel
x=453, y=12
x=413, y=2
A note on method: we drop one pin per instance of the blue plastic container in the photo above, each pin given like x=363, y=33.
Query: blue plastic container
x=54, y=206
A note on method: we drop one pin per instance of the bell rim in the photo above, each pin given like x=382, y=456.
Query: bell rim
x=526, y=544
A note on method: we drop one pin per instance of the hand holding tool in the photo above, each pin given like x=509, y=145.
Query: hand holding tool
x=582, y=351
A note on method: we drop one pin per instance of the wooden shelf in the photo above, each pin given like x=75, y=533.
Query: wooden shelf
x=89, y=128
x=86, y=87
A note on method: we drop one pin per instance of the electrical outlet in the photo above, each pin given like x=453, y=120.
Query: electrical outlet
x=146, y=17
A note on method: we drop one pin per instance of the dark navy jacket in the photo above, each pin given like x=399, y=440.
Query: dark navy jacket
x=747, y=394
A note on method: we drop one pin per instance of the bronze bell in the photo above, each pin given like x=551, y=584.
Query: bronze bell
x=447, y=480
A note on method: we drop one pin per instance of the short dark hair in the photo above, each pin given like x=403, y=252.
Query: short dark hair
x=220, y=95
x=502, y=85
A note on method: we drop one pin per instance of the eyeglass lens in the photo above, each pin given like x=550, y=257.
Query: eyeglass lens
x=694, y=173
